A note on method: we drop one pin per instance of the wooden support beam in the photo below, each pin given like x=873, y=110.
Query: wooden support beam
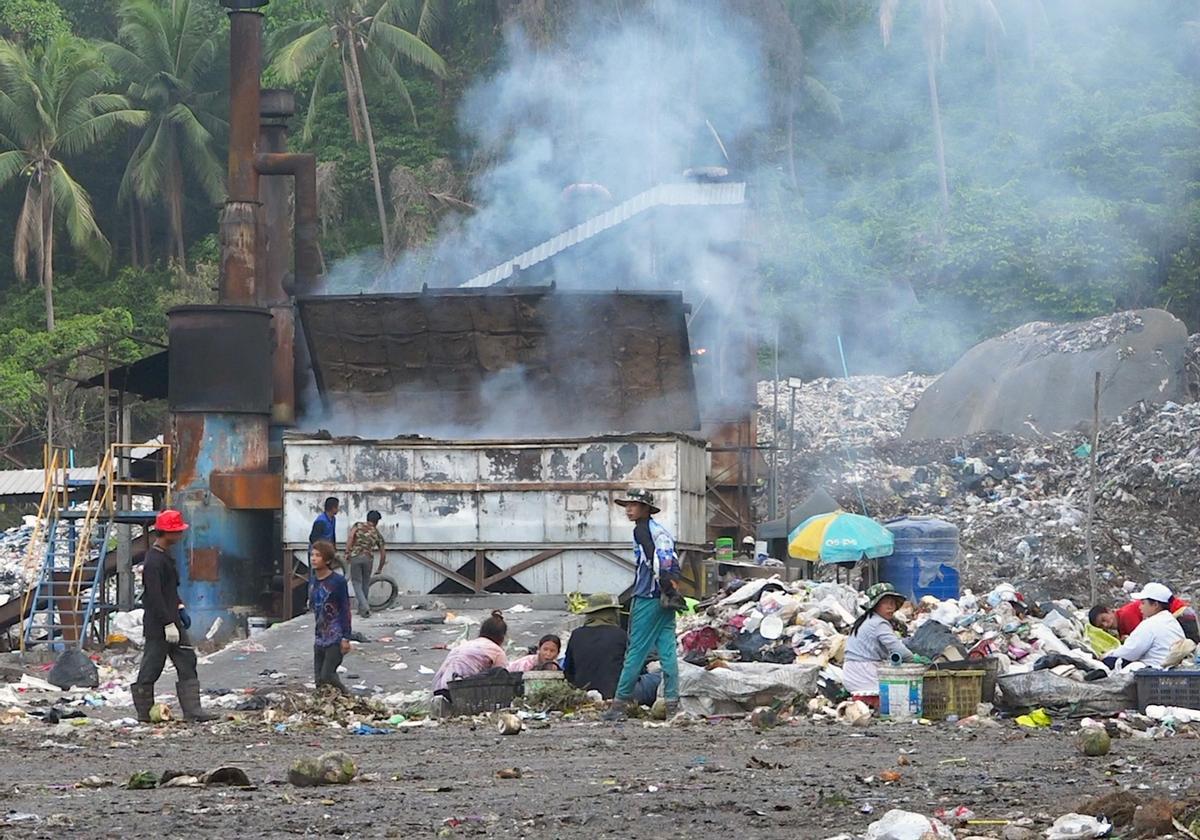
x=517, y=568
x=439, y=568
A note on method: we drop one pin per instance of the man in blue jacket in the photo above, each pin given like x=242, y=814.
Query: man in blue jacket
x=651, y=622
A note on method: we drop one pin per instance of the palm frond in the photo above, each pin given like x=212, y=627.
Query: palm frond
x=296, y=57
x=28, y=236
x=822, y=97
x=406, y=45
x=386, y=74
x=149, y=169
x=91, y=131
x=329, y=66
x=200, y=154
x=12, y=163
x=127, y=63
x=74, y=204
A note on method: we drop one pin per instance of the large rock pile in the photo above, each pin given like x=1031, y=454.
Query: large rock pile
x=1021, y=503
x=1040, y=377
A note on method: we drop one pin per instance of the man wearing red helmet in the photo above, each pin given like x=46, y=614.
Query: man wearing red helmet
x=166, y=624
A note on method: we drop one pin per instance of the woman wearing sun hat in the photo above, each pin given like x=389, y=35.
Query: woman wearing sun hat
x=873, y=642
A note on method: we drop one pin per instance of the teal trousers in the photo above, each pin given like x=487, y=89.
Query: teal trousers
x=650, y=627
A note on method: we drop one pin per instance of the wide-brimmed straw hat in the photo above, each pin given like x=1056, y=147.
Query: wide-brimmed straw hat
x=640, y=497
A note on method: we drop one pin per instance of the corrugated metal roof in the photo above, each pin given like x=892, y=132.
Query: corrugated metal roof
x=664, y=195
x=32, y=482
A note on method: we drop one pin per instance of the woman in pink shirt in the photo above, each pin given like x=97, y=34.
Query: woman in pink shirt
x=475, y=656
x=546, y=658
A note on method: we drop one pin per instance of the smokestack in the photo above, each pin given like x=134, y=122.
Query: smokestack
x=221, y=380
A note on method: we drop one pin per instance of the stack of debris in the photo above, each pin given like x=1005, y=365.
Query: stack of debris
x=14, y=546
x=1020, y=503
x=769, y=641
x=831, y=413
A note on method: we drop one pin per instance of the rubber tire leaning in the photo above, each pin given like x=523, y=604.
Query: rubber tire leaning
x=382, y=592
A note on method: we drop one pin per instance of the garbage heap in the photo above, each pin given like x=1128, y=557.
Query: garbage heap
x=14, y=575
x=768, y=640
x=1020, y=503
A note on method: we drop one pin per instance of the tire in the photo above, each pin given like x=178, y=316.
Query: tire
x=382, y=592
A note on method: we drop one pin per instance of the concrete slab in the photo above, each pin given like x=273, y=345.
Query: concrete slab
x=399, y=635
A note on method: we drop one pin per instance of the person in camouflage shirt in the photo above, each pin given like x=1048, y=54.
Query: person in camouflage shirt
x=364, y=543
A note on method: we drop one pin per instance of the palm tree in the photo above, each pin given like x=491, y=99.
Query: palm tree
x=166, y=53
x=55, y=102
x=352, y=36
x=934, y=14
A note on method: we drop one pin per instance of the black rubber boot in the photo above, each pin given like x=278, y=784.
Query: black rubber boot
x=189, y=702
x=143, y=699
x=616, y=712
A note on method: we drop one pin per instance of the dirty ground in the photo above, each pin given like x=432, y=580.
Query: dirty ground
x=576, y=779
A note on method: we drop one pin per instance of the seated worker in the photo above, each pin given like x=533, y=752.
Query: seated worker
x=749, y=553
x=1151, y=641
x=596, y=651
x=544, y=659
x=1124, y=620
x=473, y=657
x=872, y=643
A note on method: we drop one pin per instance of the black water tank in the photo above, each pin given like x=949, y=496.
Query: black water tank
x=220, y=359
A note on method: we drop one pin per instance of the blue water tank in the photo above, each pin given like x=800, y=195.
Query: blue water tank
x=925, y=559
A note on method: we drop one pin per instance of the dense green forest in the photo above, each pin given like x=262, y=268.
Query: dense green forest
x=927, y=172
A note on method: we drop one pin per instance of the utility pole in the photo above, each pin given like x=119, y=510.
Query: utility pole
x=1091, y=506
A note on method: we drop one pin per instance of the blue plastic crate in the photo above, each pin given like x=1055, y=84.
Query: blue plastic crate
x=1168, y=688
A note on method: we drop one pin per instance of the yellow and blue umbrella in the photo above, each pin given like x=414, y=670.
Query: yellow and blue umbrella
x=840, y=537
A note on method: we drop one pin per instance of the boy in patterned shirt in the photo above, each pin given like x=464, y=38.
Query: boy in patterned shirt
x=330, y=598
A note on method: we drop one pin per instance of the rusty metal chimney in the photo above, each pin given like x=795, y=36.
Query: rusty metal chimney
x=220, y=391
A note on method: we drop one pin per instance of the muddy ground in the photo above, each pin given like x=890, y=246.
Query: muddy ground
x=578, y=779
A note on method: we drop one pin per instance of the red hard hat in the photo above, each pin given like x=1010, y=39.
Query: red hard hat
x=169, y=521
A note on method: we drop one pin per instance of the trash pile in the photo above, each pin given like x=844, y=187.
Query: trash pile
x=14, y=545
x=1020, y=504
x=768, y=640
x=833, y=413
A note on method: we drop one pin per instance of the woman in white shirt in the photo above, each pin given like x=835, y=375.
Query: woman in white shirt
x=873, y=642
x=1152, y=640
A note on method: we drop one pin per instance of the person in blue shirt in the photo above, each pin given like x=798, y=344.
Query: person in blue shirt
x=325, y=525
x=651, y=622
x=331, y=606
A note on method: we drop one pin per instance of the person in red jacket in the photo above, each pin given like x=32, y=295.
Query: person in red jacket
x=1122, y=621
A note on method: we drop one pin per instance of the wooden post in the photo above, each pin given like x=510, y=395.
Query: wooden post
x=1091, y=506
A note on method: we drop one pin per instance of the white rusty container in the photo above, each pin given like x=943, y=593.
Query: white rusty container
x=541, y=511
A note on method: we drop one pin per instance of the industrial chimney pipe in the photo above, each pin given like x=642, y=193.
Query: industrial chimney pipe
x=303, y=168
x=240, y=217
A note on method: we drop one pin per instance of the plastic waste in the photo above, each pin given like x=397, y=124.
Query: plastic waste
x=1037, y=719
x=905, y=825
x=367, y=729
x=1077, y=827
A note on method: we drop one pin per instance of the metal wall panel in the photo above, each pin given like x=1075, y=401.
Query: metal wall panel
x=447, y=498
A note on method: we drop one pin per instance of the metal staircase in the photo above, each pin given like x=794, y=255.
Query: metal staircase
x=68, y=604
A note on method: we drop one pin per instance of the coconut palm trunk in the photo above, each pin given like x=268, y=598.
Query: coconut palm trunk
x=47, y=275
x=366, y=118
x=939, y=141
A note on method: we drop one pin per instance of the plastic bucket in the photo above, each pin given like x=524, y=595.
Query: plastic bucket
x=257, y=623
x=901, y=691
x=724, y=546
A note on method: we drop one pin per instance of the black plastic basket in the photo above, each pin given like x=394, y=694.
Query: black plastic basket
x=484, y=693
x=1168, y=688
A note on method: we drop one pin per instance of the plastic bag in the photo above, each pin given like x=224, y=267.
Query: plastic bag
x=1078, y=827
x=74, y=668
x=905, y=825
